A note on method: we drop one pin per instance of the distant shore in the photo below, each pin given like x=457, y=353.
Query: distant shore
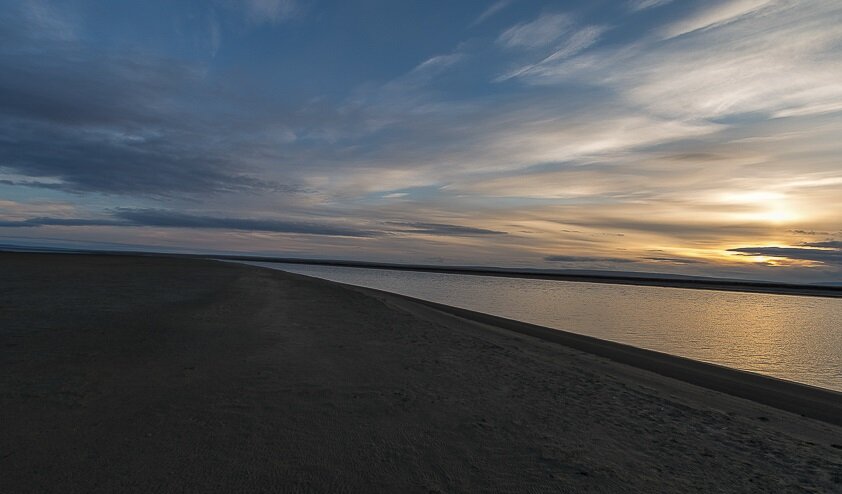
x=640, y=279
x=587, y=276
x=158, y=374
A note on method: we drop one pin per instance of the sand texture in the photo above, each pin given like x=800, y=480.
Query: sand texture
x=144, y=374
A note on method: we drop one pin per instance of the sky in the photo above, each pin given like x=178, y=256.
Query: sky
x=675, y=136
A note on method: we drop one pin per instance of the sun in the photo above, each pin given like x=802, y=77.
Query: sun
x=776, y=214
x=764, y=206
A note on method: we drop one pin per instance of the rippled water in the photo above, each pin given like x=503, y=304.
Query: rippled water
x=795, y=338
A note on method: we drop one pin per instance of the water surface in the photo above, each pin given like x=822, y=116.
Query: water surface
x=790, y=337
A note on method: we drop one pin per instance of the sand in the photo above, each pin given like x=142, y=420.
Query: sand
x=143, y=374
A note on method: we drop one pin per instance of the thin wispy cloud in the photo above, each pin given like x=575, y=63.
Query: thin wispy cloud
x=720, y=13
x=737, y=68
x=490, y=11
x=214, y=33
x=636, y=5
x=535, y=34
x=47, y=19
x=268, y=11
x=577, y=41
x=434, y=65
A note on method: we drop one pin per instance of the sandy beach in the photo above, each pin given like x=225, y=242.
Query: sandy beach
x=154, y=374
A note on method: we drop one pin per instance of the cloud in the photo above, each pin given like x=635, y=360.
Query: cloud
x=214, y=33
x=41, y=19
x=46, y=221
x=538, y=33
x=171, y=219
x=13, y=224
x=160, y=218
x=128, y=125
x=827, y=244
x=490, y=11
x=726, y=68
x=599, y=132
x=268, y=11
x=699, y=229
x=90, y=163
x=252, y=14
x=808, y=232
x=577, y=41
x=443, y=229
x=636, y=5
x=719, y=14
x=675, y=260
x=587, y=259
x=432, y=67
x=826, y=256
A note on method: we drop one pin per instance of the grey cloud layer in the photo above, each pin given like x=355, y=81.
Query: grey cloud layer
x=588, y=259
x=126, y=217
x=171, y=219
x=827, y=244
x=130, y=123
x=832, y=256
x=674, y=260
x=444, y=229
x=111, y=128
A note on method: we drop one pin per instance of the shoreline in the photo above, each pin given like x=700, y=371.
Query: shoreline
x=689, y=283
x=803, y=399
x=642, y=279
x=158, y=374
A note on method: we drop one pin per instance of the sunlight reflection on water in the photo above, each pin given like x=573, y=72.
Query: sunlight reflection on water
x=795, y=338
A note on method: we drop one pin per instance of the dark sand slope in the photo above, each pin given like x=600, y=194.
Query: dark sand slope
x=159, y=375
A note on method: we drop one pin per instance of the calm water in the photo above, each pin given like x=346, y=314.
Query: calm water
x=795, y=338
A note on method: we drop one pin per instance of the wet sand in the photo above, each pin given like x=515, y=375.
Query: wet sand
x=145, y=374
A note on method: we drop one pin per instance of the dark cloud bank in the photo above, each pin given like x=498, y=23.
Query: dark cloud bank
x=827, y=252
x=622, y=260
x=125, y=217
x=443, y=229
x=132, y=124
x=587, y=259
x=171, y=219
